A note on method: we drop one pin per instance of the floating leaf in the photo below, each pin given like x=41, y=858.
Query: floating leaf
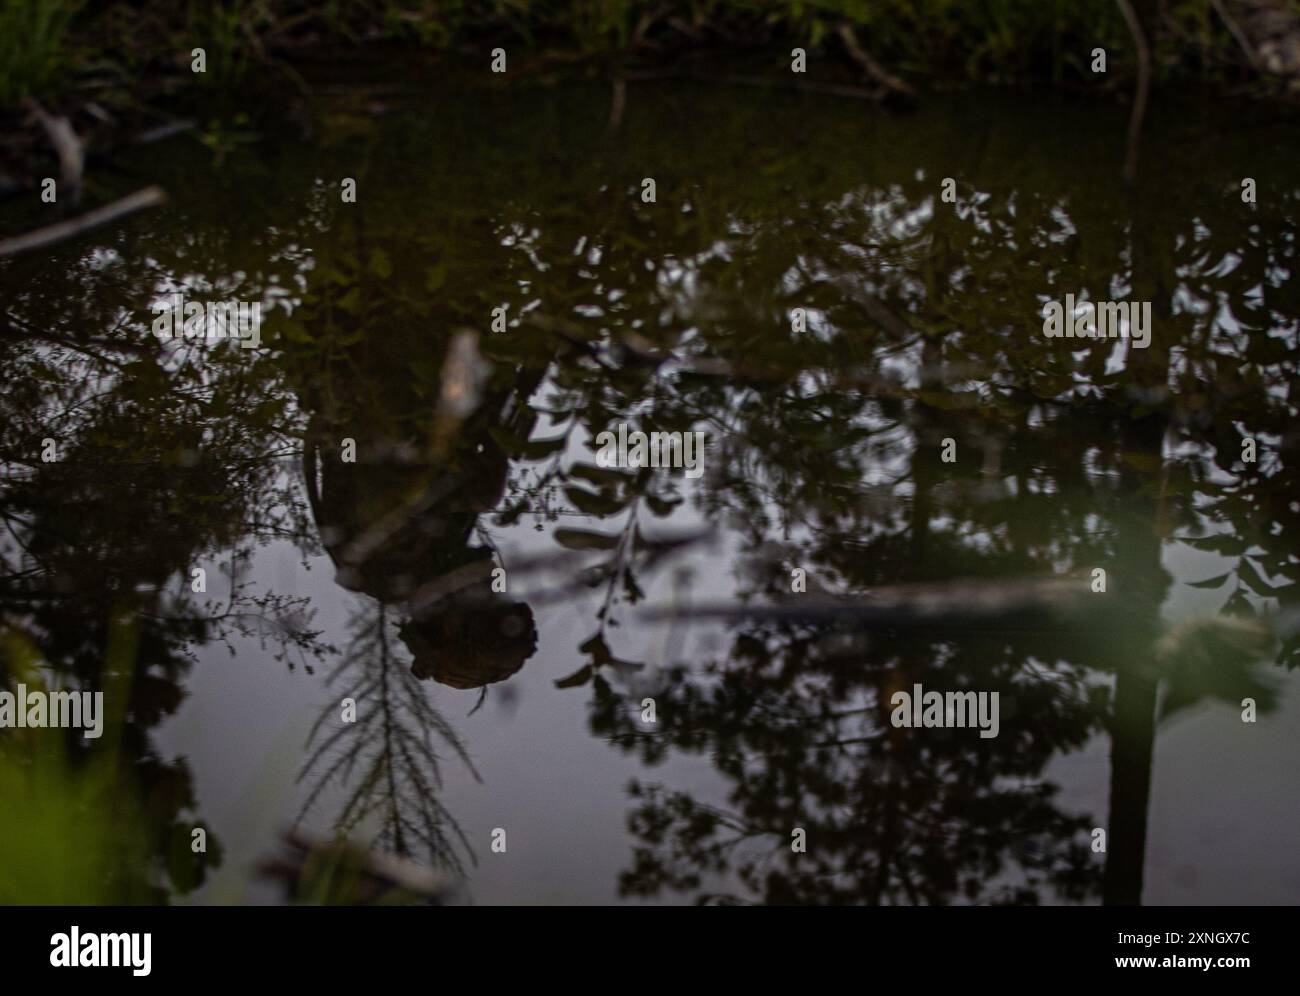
x=578, y=678
x=435, y=277
x=293, y=330
x=592, y=503
x=1251, y=577
x=600, y=475
x=351, y=301
x=1227, y=544
x=1213, y=582
x=534, y=449
x=581, y=539
x=598, y=648
x=662, y=506
x=1138, y=460
x=380, y=265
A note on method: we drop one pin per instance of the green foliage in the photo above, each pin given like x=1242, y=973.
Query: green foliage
x=61, y=844
x=229, y=31
x=33, y=35
x=977, y=40
x=73, y=828
x=67, y=836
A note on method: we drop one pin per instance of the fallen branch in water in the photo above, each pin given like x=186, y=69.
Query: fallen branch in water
x=50, y=234
x=958, y=604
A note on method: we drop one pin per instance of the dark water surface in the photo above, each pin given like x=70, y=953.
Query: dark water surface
x=522, y=710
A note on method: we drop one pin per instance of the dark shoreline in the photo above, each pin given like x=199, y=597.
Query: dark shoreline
x=122, y=76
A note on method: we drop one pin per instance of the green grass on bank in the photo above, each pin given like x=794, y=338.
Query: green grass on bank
x=33, y=46
x=45, y=44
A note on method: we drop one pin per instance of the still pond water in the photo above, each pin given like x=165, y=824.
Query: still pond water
x=524, y=710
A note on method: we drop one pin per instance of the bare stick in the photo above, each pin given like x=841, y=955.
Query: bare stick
x=50, y=234
x=1235, y=29
x=874, y=69
x=617, y=103
x=71, y=150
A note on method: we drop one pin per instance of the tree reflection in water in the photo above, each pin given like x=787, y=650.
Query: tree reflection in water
x=924, y=325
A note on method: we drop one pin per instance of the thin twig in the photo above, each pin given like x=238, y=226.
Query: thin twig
x=1235, y=30
x=873, y=68
x=163, y=131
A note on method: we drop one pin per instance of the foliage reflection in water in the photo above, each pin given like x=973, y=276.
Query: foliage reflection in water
x=473, y=451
